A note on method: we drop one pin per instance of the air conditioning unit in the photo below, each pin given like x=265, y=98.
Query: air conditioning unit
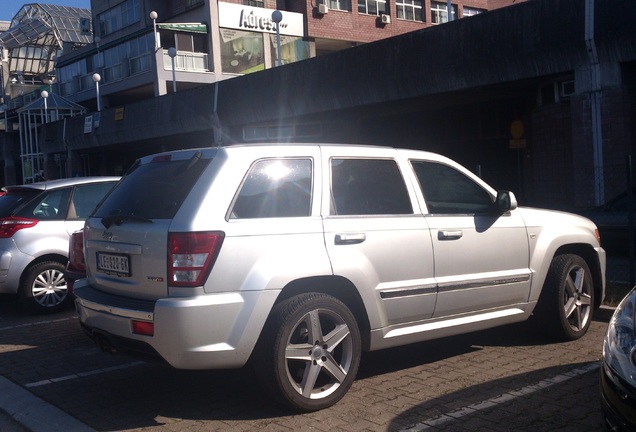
x=385, y=19
x=323, y=9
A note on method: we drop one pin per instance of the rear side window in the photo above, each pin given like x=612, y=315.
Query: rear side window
x=448, y=191
x=275, y=188
x=154, y=190
x=14, y=199
x=50, y=205
x=368, y=187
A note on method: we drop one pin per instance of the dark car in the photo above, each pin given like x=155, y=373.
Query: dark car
x=613, y=222
x=618, y=368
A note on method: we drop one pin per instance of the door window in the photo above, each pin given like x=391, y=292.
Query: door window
x=448, y=191
x=368, y=187
x=275, y=188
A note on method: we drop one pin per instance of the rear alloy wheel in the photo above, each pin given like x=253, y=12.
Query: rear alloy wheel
x=309, y=354
x=44, y=289
x=567, y=301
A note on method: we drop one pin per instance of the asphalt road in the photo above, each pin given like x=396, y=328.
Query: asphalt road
x=506, y=379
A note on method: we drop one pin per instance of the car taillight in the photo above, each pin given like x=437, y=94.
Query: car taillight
x=191, y=257
x=76, y=251
x=11, y=225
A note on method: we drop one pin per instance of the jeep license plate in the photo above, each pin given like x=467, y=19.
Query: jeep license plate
x=113, y=264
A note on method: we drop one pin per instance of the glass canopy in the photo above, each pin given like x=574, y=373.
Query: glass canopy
x=38, y=33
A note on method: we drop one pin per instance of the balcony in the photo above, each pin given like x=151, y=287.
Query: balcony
x=186, y=61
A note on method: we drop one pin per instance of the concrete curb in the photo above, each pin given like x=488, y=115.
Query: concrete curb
x=35, y=414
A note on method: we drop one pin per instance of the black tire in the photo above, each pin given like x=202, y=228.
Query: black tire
x=566, y=303
x=43, y=288
x=303, y=372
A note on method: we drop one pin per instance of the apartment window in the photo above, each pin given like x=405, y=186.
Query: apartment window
x=344, y=5
x=372, y=7
x=254, y=3
x=470, y=11
x=118, y=17
x=410, y=10
x=439, y=12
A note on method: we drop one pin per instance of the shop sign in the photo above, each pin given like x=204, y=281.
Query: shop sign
x=256, y=19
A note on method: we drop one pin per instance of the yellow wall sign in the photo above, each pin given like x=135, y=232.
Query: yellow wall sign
x=119, y=113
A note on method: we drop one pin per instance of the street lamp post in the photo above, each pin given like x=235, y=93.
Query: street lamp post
x=277, y=17
x=153, y=16
x=97, y=78
x=45, y=96
x=172, y=52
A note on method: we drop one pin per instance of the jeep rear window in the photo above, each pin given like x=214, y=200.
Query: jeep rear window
x=154, y=190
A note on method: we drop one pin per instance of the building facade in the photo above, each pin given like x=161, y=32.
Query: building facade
x=144, y=49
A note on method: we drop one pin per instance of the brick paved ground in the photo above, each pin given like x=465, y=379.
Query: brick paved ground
x=498, y=380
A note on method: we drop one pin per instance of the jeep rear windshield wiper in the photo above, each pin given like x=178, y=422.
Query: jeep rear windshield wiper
x=107, y=221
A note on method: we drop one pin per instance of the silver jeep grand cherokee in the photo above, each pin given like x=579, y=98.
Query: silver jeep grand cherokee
x=300, y=257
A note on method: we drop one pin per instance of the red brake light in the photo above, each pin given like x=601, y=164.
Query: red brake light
x=145, y=328
x=76, y=252
x=191, y=257
x=11, y=225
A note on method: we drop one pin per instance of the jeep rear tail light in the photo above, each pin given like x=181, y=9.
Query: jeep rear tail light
x=191, y=257
x=11, y=225
x=76, y=252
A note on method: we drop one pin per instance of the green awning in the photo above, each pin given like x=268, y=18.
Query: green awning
x=185, y=27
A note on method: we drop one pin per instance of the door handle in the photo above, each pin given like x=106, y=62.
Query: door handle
x=350, y=238
x=449, y=235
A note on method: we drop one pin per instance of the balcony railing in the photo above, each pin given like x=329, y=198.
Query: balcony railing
x=186, y=61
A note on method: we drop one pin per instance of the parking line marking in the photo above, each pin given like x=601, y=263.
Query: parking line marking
x=37, y=323
x=82, y=374
x=441, y=420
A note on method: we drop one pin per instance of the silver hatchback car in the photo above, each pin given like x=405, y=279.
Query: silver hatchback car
x=36, y=221
x=299, y=257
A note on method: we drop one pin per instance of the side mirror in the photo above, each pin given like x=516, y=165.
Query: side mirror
x=505, y=201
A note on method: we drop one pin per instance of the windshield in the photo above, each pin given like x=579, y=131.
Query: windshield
x=153, y=190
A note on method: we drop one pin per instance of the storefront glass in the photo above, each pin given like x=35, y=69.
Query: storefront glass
x=241, y=51
x=292, y=49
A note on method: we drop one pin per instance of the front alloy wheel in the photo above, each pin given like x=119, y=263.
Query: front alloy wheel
x=566, y=304
x=310, y=352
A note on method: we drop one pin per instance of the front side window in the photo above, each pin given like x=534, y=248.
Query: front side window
x=275, y=188
x=372, y=7
x=439, y=12
x=86, y=197
x=368, y=187
x=410, y=10
x=448, y=191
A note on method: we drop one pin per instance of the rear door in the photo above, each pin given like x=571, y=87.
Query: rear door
x=375, y=237
x=481, y=257
x=126, y=238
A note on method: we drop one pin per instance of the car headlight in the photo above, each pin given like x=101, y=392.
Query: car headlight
x=619, y=344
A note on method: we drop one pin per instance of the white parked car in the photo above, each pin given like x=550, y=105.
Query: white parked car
x=36, y=221
x=301, y=256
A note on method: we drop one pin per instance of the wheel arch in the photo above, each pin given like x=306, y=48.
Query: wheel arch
x=590, y=256
x=338, y=287
x=47, y=257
